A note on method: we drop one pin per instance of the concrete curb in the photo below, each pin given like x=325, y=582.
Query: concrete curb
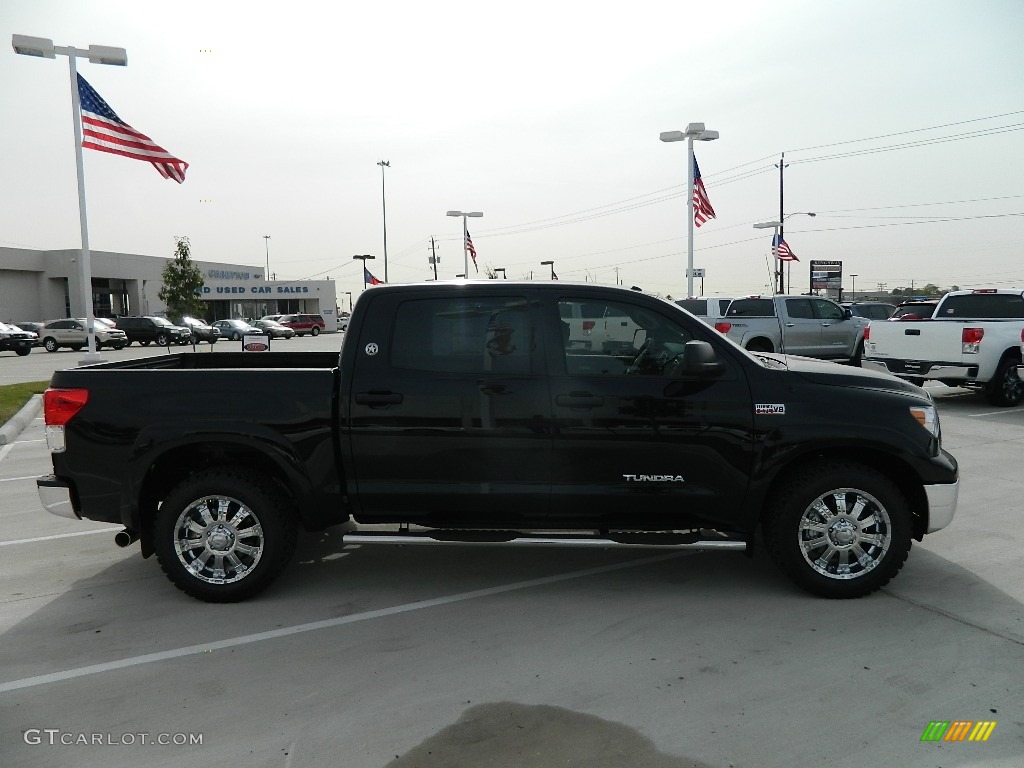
x=20, y=420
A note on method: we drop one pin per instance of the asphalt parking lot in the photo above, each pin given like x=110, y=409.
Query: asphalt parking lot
x=477, y=656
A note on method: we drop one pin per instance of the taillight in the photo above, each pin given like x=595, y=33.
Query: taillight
x=867, y=333
x=722, y=327
x=588, y=326
x=970, y=340
x=60, y=405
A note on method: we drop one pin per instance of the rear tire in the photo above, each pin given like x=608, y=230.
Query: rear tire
x=760, y=345
x=1005, y=389
x=224, y=535
x=315, y=331
x=838, y=529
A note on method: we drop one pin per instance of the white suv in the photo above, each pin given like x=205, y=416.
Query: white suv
x=72, y=333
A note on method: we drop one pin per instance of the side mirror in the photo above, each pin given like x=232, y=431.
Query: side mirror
x=699, y=359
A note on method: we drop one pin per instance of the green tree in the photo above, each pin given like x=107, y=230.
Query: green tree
x=182, y=282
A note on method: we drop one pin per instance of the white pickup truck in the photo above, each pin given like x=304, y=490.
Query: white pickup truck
x=973, y=340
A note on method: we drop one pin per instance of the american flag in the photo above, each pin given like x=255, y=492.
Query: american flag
x=780, y=249
x=702, y=210
x=369, y=279
x=471, y=249
x=103, y=130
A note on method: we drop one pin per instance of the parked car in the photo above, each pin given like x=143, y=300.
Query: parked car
x=919, y=309
x=34, y=326
x=235, y=329
x=873, y=310
x=343, y=320
x=201, y=331
x=303, y=324
x=710, y=309
x=14, y=339
x=153, y=329
x=274, y=329
x=73, y=333
x=272, y=317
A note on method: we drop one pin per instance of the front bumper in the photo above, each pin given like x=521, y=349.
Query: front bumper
x=55, y=494
x=942, y=500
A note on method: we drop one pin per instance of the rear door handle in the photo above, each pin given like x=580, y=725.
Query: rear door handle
x=579, y=400
x=378, y=398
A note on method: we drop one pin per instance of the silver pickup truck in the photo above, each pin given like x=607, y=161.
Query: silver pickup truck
x=797, y=325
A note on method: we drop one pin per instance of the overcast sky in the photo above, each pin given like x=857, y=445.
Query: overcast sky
x=545, y=116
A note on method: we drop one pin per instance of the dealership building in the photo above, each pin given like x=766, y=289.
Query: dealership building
x=46, y=285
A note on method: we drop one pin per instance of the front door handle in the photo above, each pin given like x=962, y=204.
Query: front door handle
x=378, y=398
x=579, y=400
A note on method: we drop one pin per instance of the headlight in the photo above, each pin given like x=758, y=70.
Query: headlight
x=927, y=417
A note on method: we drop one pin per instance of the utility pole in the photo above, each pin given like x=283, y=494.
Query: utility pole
x=434, y=258
x=782, y=217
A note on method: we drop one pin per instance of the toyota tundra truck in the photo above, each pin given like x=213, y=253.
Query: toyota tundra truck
x=972, y=340
x=460, y=413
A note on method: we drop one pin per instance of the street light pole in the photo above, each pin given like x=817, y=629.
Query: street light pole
x=97, y=54
x=699, y=132
x=349, y=294
x=266, y=242
x=465, y=237
x=775, y=226
x=549, y=264
x=384, y=208
x=789, y=267
x=854, y=289
x=502, y=270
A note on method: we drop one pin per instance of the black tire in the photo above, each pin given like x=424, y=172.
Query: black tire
x=858, y=354
x=163, y=340
x=1005, y=389
x=23, y=351
x=314, y=331
x=236, y=336
x=228, y=511
x=50, y=344
x=760, y=345
x=78, y=347
x=213, y=341
x=829, y=514
x=120, y=346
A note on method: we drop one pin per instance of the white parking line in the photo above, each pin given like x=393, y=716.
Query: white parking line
x=55, y=536
x=175, y=653
x=12, y=479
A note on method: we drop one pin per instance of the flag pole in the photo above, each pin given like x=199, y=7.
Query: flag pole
x=85, y=272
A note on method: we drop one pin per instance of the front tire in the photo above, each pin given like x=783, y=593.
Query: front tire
x=1006, y=388
x=23, y=351
x=224, y=535
x=838, y=529
x=163, y=340
x=50, y=345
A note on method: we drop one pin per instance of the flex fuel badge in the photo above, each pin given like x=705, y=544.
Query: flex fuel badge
x=769, y=409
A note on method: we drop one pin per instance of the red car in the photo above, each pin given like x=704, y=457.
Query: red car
x=303, y=324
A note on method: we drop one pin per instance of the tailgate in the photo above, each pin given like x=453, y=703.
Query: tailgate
x=912, y=340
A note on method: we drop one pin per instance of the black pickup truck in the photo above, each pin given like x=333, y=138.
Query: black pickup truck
x=463, y=412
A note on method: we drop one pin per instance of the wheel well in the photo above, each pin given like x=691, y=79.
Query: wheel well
x=893, y=468
x=760, y=344
x=171, y=468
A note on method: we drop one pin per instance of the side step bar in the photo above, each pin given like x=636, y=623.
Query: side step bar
x=695, y=540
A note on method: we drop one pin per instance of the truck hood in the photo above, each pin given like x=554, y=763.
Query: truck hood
x=836, y=374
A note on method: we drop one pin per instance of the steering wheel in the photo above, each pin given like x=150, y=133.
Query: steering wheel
x=634, y=367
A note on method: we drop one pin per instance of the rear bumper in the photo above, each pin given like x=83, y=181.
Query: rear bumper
x=56, y=496
x=922, y=369
x=942, y=500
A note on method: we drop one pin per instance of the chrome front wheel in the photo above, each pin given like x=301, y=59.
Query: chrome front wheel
x=838, y=529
